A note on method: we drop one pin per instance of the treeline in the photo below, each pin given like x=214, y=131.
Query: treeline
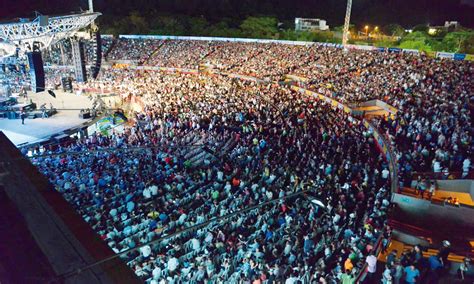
x=267, y=27
x=251, y=27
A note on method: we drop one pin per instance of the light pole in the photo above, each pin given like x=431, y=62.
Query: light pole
x=347, y=20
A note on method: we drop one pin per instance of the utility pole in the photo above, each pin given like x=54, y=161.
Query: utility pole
x=347, y=20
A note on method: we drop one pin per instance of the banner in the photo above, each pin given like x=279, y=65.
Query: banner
x=394, y=49
x=445, y=55
x=108, y=122
x=412, y=51
x=459, y=56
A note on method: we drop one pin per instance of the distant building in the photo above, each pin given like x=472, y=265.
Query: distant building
x=448, y=26
x=451, y=24
x=307, y=24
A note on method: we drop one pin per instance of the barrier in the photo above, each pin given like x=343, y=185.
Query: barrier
x=394, y=49
x=411, y=51
x=459, y=56
x=445, y=55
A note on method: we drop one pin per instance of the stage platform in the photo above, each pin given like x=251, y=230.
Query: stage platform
x=36, y=130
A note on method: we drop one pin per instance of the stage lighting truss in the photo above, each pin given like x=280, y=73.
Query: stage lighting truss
x=24, y=34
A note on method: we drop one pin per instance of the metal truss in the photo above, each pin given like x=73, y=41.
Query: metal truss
x=347, y=20
x=23, y=34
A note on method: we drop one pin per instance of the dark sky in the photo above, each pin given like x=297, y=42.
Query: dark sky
x=375, y=12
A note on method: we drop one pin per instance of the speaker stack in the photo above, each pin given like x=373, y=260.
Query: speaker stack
x=97, y=50
x=35, y=62
x=79, y=58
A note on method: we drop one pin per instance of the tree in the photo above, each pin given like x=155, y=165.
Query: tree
x=417, y=40
x=138, y=23
x=454, y=42
x=222, y=29
x=467, y=46
x=167, y=25
x=415, y=44
x=420, y=28
x=394, y=30
x=259, y=27
x=197, y=26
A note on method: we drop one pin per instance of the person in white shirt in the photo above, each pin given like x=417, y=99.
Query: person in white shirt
x=173, y=263
x=371, y=261
x=385, y=173
x=156, y=272
x=466, y=165
x=196, y=245
x=146, y=193
x=436, y=166
x=220, y=175
x=154, y=190
x=146, y=251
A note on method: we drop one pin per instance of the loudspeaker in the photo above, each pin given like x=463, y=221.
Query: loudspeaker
x=35, y=61
x=85, y=115
x=79, y=58
x=97, y=46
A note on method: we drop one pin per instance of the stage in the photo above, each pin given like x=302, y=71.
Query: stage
x=36, y=130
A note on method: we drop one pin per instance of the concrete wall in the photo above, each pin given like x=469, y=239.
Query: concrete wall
x=457, y=185
x=457, y=222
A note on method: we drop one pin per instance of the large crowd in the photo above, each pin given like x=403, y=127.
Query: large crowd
x=205, y=146
x=432, y=132
x=210, y=146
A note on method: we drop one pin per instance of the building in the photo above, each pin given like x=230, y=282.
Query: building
x=309, y=24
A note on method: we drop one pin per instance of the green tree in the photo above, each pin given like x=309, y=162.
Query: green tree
x=417, y=40
x=259, y=27
x=467, y=46
x=167, y=25
x=415, y=44
x=138, y=23
x=385, y=43
x=222, y=29
x=197, y=26
x=394, y=30
x=454, y=42
x=420, y=28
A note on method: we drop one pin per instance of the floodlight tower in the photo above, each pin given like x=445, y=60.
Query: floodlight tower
x=347, y=20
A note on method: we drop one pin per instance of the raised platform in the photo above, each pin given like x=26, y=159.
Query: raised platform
x=36, y=130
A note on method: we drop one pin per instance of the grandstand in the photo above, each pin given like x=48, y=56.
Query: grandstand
x=280, y=162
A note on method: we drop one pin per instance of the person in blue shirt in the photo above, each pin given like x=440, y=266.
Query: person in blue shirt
x=411, y=274
x=436, y=264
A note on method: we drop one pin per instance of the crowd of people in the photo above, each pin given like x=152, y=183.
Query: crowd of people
x=432, y=132
x=210, y=146
x=205, y=146
x=411, y=266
